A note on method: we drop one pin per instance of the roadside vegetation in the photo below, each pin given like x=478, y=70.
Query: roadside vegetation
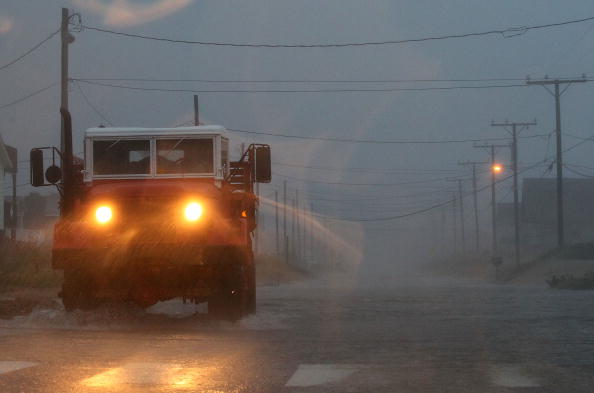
x=27, y=279
x=26, y=265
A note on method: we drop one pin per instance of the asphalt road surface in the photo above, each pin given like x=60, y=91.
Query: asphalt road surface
x=328, y=335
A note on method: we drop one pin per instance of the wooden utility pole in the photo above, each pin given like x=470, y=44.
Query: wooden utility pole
x=557, y=94
x=276, y=222
x=454, y=220
x=13, y=210
x=442, y=231
x=197, y=112
x=293, y=220
x=302, y=231
x=257, y=220
x=460, y=198
x=297, y=236
x=473, y=164
x=285, y=238
x=311, y=232
x=493, y=201
x=514, y=133
x=66, y=40
x=462, y=216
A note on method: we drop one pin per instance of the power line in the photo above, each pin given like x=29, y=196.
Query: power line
x=363, y=194
x=29, y=51
x=576, y=172
x=424, y=210
x=358, y=184
x=93, y=107
x=391, y=218
x=29, y=95
x=584, y=140
x=352, y=140
x=377, y=171
x=506, y=33
x=328, y=198
x=368, y=209
x=367, y=170
x=342, y=90
x=248, y=81
x=580, y=166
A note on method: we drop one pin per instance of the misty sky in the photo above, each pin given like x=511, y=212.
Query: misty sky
x=455, y=114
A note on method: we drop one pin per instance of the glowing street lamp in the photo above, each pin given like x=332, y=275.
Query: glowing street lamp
x=497, y=168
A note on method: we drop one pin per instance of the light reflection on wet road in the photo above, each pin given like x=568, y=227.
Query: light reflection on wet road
x=322, y=336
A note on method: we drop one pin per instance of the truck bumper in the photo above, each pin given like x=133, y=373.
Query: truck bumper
x=151, y=255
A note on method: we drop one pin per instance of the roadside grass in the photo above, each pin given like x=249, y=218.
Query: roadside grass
x=26, y=265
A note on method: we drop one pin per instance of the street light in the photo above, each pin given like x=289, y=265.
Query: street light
x=497, y=168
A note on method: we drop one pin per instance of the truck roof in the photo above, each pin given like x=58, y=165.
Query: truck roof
x=169, y=131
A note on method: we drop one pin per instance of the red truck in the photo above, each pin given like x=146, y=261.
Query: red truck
x=152, y=214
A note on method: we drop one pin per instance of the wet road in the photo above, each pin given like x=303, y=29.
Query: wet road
x=332, y=335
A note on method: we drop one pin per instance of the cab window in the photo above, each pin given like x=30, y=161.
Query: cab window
x=121, y=157
x=185, y=156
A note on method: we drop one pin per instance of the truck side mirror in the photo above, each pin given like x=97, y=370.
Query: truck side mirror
x=36, y=168
x=262, y=166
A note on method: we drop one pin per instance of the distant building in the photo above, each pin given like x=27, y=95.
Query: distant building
x=539, y=211
x=38, y=211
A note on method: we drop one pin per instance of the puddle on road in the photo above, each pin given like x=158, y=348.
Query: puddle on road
x=512, y=376
x=172, y=314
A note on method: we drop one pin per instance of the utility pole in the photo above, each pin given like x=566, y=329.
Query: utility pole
x=556, y=82
x=298, y=249
x=460, y=198
x=473, y=164
x=442, y=230
x=311, y=232
x=293, y=219
x=276, y=222
x=66, y=40
x=196, y=111
x=302, y=231
x=454, y=219
x=13, y=218
x=514, y=147
x=494, y=172
x=285, y=238
x=257, y=219
x=462, y=216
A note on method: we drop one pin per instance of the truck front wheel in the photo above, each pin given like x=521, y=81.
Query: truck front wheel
x=231, y=293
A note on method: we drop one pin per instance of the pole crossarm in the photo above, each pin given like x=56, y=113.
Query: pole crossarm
x=470, y=163
x=517, y=124
x=544, y=82
x=487, y=146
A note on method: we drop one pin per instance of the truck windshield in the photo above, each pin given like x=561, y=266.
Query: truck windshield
x=184, y=155
x=121, y=157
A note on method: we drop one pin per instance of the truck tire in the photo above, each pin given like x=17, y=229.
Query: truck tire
x=77, y=291
x=230, y=298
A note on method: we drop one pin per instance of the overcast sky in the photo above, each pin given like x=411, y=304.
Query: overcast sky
x=453, y=114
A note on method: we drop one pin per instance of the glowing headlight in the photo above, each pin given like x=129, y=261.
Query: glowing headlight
x=193, y=211
x=103, y=214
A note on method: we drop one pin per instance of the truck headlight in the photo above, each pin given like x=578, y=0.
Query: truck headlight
x=103, y=214
x=193, y=211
